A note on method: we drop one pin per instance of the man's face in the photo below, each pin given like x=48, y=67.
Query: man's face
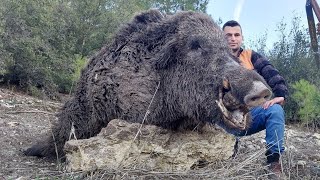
x=233, y=36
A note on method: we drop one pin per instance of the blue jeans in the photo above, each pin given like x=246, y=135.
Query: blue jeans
x=272, y=120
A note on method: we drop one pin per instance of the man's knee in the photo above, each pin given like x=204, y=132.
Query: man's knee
x=276, y=110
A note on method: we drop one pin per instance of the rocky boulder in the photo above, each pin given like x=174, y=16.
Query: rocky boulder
x=132, y=146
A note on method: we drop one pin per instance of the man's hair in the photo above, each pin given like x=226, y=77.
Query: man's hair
x=231, y=23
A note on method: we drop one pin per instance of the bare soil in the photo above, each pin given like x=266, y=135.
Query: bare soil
x=25, y=119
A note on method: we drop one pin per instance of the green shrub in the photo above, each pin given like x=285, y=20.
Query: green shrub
x=79, y=64
x=72, y=79
x=307, y=97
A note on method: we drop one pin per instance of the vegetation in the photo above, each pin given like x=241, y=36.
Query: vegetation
x=292, y=56
x=45, y=44
x=307, y=97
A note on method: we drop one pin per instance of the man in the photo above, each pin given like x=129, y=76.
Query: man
x=270, y=115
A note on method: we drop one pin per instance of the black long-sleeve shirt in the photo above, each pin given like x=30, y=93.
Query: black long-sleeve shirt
x=253, y=60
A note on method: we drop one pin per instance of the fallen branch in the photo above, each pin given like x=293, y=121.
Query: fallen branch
x=19, y=112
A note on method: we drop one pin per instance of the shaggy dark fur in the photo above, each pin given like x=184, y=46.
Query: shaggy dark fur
x=186, y=53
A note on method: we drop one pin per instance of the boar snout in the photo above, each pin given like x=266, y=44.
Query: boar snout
x=258, y=95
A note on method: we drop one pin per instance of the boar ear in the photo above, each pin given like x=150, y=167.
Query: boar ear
x=150, y=16
x=167, y=55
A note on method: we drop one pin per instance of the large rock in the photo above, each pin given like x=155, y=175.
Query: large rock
x=118, y=146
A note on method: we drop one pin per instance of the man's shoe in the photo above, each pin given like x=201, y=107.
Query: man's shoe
x=272, y=157
x=274, y=166
x=275, y=170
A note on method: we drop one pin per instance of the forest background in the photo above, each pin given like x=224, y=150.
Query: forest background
x=45, y=44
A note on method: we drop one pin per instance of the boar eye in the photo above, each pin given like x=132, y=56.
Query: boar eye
x=195, y=44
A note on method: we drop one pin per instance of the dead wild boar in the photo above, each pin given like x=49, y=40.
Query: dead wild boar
x=175, y=67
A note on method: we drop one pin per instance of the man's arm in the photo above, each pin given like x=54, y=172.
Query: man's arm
x=272, y=77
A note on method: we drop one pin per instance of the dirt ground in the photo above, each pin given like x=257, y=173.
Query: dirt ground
x=25, y=119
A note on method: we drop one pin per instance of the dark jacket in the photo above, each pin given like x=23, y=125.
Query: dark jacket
x=253, y=60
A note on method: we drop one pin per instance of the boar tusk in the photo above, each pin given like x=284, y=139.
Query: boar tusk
x=224, y=110
x=227, y=117
x=226, y=84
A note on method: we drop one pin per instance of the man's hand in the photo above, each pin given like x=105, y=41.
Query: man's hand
x=276, y=100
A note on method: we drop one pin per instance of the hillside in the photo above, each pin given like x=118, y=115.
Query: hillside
x=25, y=119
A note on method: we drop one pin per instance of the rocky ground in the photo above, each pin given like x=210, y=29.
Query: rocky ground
x=25, y=119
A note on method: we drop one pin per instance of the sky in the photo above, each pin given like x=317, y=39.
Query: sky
x=258, y=16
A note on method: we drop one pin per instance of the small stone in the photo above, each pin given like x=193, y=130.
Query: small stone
x=6, y=105
x=262, y=141
x=250, y=146
x=22, y=178
x=301, y=163
x=316, y=135
x=29, y=102
x=13, y=124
